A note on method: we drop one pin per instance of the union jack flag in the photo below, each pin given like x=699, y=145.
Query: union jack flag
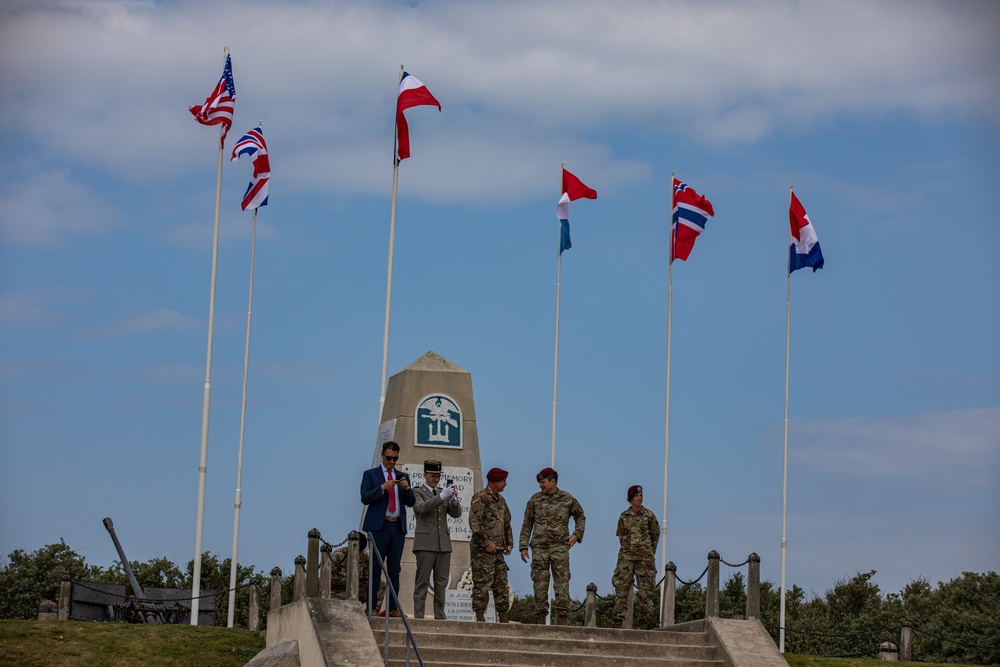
x=252, y=145
x=218, y=107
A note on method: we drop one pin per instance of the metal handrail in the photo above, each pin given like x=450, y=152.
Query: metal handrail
x=372, y=552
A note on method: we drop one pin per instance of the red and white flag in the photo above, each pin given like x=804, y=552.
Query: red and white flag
x=219, y=105
x=412, y=93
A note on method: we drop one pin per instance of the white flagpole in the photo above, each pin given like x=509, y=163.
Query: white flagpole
x=784, y=470
x=392, y=247
x=666, y=413
x=243, y=421
x=555, y=372
x=206, y=398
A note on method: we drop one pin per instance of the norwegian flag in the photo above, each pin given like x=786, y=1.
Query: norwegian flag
x=252, y=145
x=218, y=107
x=691, y=213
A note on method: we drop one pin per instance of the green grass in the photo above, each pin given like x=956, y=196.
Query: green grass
x=78, y=644
x=813, y=661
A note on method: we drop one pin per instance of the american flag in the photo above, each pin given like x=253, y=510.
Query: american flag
x=218, y=107
x=252, y=145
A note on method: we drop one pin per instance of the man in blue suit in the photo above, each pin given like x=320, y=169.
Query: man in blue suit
x=386, y=492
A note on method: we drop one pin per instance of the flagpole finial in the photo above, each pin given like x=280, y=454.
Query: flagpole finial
x=225, y=49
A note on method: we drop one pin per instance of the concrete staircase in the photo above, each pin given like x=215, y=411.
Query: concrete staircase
x=456, y=643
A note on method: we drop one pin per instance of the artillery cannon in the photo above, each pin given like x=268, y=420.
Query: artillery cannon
x=139, y=608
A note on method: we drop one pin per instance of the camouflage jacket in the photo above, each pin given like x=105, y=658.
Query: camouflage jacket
x=546, y=520
x=639, y=533
x=489, y=520
x=338, y=569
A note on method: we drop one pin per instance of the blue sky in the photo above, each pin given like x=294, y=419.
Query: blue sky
x=883, y=115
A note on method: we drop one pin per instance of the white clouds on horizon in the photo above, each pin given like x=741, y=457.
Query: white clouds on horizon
x=47, y=209
x=960, y=446
x=719, y=73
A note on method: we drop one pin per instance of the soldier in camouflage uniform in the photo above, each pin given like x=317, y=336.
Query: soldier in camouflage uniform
x=546, y=531
x=492, y=539
x=338, y=573
x=639, y=533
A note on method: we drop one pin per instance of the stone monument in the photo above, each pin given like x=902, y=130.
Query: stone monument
x=430, y=413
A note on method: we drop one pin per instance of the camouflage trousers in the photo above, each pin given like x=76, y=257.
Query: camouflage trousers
x=644, y=573
x=556, y=561
x=489, y=573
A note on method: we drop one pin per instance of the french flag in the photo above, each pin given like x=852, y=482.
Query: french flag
x=412, y=93
x=804, y=248
x=690, y=215
x=252, y=145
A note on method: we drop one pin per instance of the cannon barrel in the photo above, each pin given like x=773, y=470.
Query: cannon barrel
x=136, y=588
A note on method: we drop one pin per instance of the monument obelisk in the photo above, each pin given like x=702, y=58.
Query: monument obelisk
x=430, y=413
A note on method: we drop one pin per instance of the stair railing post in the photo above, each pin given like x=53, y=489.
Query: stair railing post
x=253, y=613
x=275, y=602
x=590, y=607
x=753, y=586
x=325, y=571
x=669, y=595
x=299, y=579
x=351, y=572
x=906, y=641
x=312, y=564
x=712, y=586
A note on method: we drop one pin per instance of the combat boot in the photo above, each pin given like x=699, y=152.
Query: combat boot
x=541, y=617
x=480, y=615
x=502, y=617
x=560, y=619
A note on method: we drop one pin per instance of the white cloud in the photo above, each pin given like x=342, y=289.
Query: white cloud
x=50, y=208
x=153, y=321
x=34, y=309
x=322, y=77
x=962, y=446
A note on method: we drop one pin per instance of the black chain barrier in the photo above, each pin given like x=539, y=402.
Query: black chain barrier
x=124, y=597
x=723, y=561
x=952, y=641
x=692, y=583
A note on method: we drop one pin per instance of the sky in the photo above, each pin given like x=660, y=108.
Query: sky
x=884, y=116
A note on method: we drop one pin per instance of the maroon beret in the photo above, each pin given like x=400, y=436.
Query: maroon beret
x=496, y=475
x=632, y=490
x=543, y=473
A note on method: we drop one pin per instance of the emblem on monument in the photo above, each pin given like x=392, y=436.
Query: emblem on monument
x=438, y=422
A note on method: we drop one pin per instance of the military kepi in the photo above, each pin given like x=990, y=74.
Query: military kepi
x=432, y=466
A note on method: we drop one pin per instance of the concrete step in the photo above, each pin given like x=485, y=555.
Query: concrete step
x=445, y=643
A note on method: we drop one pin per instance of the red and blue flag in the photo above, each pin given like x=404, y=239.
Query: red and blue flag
x=572, y=189
x=412, y=93
x=803, y=249
x=252, y=145
x=691, y=213
x=219, y=105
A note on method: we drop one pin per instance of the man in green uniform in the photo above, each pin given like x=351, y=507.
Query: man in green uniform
x=338, y=572
x=639, y=533
x=546, y=531
x=492, y=539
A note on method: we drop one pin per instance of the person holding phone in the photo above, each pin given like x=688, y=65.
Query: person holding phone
x=386, y=493
x=431, y=540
